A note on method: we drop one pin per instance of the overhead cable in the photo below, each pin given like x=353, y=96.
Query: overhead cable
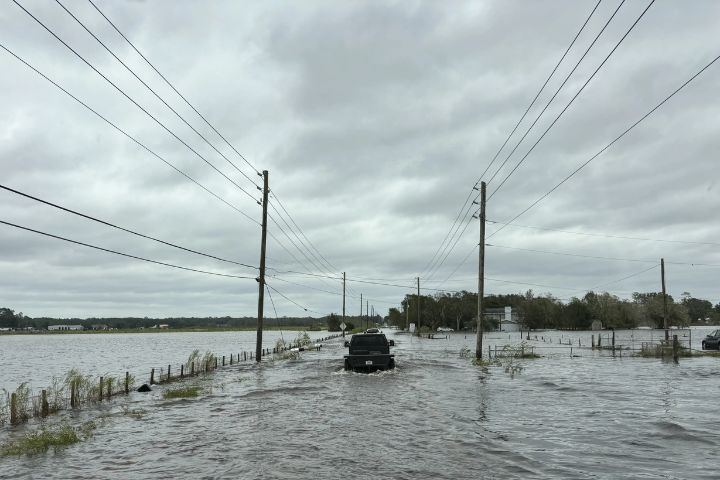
x=175, y=89
x=57, y=237
x=132, y=72
x=572, y=100
x=130, y=137
x=606, y=147
x=143, y=109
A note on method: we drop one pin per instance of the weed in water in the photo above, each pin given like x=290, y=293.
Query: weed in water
x=42, y=440
x=182, y=392
x=136, y=413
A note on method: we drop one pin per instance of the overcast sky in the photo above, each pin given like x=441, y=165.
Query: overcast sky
x=375, y=120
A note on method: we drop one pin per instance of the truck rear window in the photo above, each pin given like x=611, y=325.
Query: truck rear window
x=369, y=341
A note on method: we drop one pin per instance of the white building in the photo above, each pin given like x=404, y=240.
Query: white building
x=65, y=327
x=507, y=319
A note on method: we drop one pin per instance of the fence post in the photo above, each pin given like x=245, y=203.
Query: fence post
x=570, y=352
x=45, y=409
x=182, y=370
x=599, y=340
x=192, y=369
x=13, y=409
x=489, y=352
x=223, y=360
x=168, y=377
x=216, y=363
x=152, y=376
x=127, y=382
x=100, y=397
x=72, y=394
x=675, y=348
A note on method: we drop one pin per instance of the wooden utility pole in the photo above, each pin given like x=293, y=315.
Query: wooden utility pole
x=481, y=275
x=367, y=314
x=361, y=315
x=418, y=306
x=665, y=311
x=343, y=318
x=261, y=278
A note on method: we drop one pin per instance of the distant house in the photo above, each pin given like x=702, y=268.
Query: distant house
x=65, y=327
x=508, y=320
x=6, y=329
x=164, y=326
x=99, y=327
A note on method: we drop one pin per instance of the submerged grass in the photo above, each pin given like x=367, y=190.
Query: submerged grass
x=40, y=441
x=182, y=392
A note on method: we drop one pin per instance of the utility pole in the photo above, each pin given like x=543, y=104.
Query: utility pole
x=481, y=275
x=343, y=318
x=665, y=311
x=360, y=317
x=367, y=315
x=261, y=279
x=418, y=306
x=407, y=313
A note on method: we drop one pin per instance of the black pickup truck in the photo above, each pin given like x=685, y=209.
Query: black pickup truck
x=369, y=351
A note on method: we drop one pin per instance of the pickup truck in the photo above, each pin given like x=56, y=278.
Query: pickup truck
x=369, y=352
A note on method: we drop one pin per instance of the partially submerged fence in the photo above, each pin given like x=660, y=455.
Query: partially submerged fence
x=76, y=390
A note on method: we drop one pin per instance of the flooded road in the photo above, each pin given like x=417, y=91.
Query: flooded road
x=435, y=416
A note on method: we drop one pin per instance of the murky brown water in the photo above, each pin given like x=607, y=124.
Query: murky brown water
x=435, y=416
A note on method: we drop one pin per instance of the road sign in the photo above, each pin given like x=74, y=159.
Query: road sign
x=343, y=326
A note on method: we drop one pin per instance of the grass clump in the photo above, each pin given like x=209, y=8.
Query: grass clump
x=182, y=392
x=42, y=440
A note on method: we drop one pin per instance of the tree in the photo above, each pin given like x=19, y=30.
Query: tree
x=8, y=318
x=333, y=323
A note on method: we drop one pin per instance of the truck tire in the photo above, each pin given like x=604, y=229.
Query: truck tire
x=347, y=365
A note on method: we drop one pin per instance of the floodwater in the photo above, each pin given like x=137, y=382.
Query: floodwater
x=436, y=416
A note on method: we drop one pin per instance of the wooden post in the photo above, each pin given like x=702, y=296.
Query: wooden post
x=223, y=363
x=231, y=359
x=127, y=382
x=481, y=273
x=152, y=376
x=675, y=348
x=599, y=341
x=45, y=408
x=72, y=394
x=343, y=317
x=100, y=397
x=192, y=369
x=182, y=370
x=418, y=309
x=168, y=373
x=13, y=409
x=489, y=353
x=665, y=311
x=261, y=278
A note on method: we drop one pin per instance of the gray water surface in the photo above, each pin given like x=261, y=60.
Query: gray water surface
x=436, y=416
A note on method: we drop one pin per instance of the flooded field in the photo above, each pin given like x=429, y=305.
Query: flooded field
x=435, y=416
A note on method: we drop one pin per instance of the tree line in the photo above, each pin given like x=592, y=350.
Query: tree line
x=459, y=310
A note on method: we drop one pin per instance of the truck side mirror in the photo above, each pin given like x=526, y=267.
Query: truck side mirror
x=391, y=343
x=347, y=344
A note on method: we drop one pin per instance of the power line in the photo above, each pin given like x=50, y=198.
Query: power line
x=127, y=135
x=572, y=100
x=527, y=110
x=292, y=301
x=175, y=89
x=136, y=103
x=155, y=93
x=620, y=259
x=615, y=140
x=57, y=237
x=556, y=91
x=94, y=219
x=604, y=235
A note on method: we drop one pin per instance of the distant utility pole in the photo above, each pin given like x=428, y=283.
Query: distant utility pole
x=367, y=315
x=361, y=315
x=481, y=275
x=418, y=306
x=665, y=311
x=343, y=319
x=407, y=313
x=261, y=279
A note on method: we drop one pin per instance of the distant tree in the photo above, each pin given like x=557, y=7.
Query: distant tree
x=333, y=323
x=8, y=319
x=697, y=309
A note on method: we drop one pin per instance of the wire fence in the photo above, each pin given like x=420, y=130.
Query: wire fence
x=75, y=390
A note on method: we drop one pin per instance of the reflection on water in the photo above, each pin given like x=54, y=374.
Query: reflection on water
x=434, y=416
